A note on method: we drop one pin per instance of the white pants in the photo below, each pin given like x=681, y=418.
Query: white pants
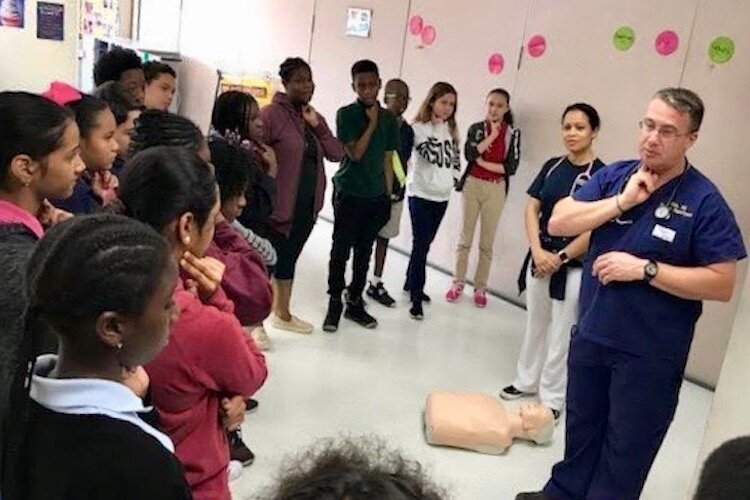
x=543, y=363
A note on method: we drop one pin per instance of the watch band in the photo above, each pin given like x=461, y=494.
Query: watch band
x=650, y=270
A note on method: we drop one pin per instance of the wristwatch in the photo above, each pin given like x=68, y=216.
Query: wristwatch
x=650, y=270
x=563, y=256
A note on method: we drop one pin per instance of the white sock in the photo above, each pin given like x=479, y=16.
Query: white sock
x=375, y=280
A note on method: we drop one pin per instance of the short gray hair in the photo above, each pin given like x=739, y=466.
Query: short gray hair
x=685, y=101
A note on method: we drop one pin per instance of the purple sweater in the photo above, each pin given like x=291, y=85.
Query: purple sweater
x=284, y=131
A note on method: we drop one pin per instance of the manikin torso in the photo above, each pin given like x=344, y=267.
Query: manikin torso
x=480, y=422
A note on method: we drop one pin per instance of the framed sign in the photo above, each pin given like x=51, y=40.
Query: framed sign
x=50, y=21
x=358, y=22
x=12, y=13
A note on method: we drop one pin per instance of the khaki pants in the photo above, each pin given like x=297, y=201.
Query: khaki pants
x=483, y=200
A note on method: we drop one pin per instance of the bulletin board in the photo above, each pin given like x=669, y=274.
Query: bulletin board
x=100, y=18
x=262, y=88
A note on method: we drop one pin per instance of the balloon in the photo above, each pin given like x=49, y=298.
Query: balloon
x=537, y=46
x=667, y=42
x=496, y=64
x=428, y=35
x=416, y=23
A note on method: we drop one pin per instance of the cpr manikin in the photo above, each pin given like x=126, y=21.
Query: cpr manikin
x=481, y=423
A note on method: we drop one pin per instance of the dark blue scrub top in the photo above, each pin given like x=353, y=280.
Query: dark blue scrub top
x=636, y=317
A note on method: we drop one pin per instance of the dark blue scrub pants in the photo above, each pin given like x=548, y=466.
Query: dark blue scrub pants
x=619, y=407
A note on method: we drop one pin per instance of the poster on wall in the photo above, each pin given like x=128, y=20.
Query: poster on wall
x=262, y=88
x=100, y=18
x=50, y=21
x=12, y=13
x=358, y=22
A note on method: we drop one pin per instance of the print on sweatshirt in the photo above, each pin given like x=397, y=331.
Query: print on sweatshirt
x=436, y=164
x=441, y=154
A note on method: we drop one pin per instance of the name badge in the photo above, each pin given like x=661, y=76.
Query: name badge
x=664, y=233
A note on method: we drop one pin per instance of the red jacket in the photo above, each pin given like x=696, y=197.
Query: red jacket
x=246, y=280
x=208, y=357
x=284, y=130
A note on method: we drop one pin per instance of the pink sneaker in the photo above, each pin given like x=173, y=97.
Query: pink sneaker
x=480, y=298
x=454, y=292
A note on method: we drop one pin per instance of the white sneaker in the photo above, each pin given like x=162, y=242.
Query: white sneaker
x=261, y=338
x=295, y=324
x=234, y=469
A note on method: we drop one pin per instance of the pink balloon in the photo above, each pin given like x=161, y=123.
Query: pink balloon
x=667, y=42
x=416, y=23
x=428, y=35
x=537, y=46
x=496, y=63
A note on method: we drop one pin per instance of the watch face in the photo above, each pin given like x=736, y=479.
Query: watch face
x=651, y=269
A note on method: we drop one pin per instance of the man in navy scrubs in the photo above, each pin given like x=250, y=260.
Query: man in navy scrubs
x=663, y=240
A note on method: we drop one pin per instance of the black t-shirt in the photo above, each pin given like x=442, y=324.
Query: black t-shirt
x=554, y=183
x=308, y=181
x=95, y=456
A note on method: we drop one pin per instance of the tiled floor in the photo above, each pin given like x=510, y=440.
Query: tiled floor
x=360, y=381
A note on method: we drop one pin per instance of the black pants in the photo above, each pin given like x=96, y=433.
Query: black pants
x=426, y=217
x=357, y=222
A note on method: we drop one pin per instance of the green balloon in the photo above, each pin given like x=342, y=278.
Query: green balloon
x=624, y=38
x=721, y=49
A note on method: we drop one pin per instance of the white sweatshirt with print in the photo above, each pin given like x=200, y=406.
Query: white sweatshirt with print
x=435, y=162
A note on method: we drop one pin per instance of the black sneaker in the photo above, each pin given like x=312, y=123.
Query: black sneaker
x=510, y=393
x=251, y=405
x=238, y=450
x=416, y=311
x=331, y=323
x=379, y=294
x=346, y=297
x=425, y=298
x=355, y=311
x=536, y=495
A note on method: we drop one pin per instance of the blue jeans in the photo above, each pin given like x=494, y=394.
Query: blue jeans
x=426, y=217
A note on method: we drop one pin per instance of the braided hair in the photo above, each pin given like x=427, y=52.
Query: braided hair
x=161, y=128
x=290, y=66
x=165, y=182
x=81, y=268
x=231, y=113
x=232, y=166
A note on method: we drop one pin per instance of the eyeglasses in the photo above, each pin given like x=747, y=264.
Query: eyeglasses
x=401, y=97
x=665, y=132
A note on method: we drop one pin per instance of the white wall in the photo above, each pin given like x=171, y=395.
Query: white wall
x=27, y=63
x=730, y=409
x=236, y=36
x=721, y=151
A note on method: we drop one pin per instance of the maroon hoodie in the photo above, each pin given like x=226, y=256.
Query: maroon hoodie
x=246, y=281
x=284, y=130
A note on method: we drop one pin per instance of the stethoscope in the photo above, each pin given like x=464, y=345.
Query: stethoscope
x=666, y=208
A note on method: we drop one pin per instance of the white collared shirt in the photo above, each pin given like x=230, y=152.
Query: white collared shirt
x=89, y=396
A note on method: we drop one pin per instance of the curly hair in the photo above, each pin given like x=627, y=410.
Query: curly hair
x=353, y=469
